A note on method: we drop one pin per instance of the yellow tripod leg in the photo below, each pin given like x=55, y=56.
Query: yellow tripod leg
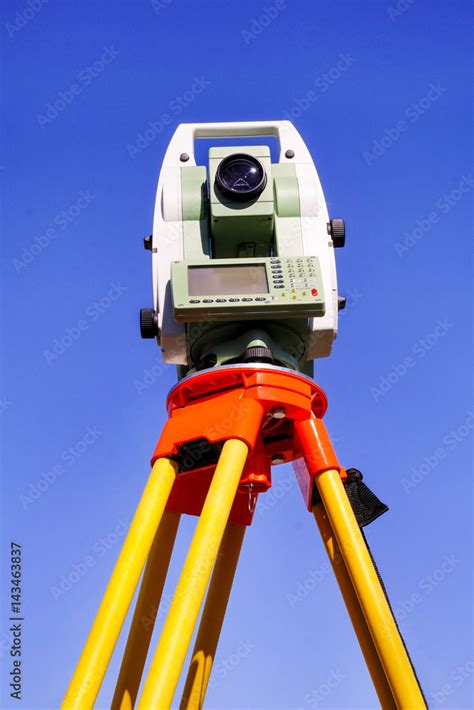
x=171, y=652
x=146, y=609
x=99, y=646
x=387, y=641
x=212, y=618
x=353, y=607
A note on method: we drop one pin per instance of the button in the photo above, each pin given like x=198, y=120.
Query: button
x=260, y=299
x=208, y=300
x=221, y=300
x=314, y=291
x=194, y=300
x=234, y=300
x=276, y=266
x=282, y=286
x=247, y=299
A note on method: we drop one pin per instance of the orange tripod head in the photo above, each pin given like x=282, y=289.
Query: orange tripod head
x=277, y=412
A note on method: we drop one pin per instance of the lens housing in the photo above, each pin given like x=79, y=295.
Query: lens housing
x=241, y=177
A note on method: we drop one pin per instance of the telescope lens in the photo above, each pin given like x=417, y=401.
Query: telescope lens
x=240, y=177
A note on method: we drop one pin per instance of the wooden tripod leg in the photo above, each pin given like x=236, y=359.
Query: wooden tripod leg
x=212, y=618
x=146, y=609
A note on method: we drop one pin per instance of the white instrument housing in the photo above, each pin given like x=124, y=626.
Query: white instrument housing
x=167, y=242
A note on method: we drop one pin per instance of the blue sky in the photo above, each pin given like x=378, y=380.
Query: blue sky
x=380, y=92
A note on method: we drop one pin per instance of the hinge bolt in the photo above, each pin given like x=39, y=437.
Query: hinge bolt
x=278, y=412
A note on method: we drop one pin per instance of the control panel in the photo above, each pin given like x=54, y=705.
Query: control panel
x=266, y=287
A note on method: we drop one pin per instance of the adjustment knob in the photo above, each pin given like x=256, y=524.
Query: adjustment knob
x=341, y=303
x=148, y=242
x=148, y=324
x=258, y=354
x=337, y=230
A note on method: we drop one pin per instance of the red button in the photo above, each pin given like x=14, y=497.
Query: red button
x=314, y=291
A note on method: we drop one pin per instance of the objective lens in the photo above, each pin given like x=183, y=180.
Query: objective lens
x=240, y=177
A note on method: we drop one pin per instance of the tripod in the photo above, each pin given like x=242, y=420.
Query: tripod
x=226, y=426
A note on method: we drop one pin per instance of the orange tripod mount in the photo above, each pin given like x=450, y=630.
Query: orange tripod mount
x=226, y=427
x=276, y=412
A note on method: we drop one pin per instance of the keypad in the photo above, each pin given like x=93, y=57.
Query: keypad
x=302, y=274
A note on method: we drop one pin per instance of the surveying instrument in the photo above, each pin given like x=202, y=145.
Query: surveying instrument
x=245, y=298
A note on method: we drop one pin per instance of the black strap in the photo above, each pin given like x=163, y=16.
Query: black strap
x=365, y=504
x=382, y=584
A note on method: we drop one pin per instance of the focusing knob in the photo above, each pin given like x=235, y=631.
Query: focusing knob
x=258, y=354
x=341, y=303
x=148, y=325
x=337, y=230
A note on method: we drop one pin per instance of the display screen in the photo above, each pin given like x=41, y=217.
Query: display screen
x=227, y=280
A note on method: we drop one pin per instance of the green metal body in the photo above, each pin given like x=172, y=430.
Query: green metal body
x=241, y=229
x=218, y=232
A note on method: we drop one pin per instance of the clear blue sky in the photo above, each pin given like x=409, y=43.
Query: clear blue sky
x=380, y=93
